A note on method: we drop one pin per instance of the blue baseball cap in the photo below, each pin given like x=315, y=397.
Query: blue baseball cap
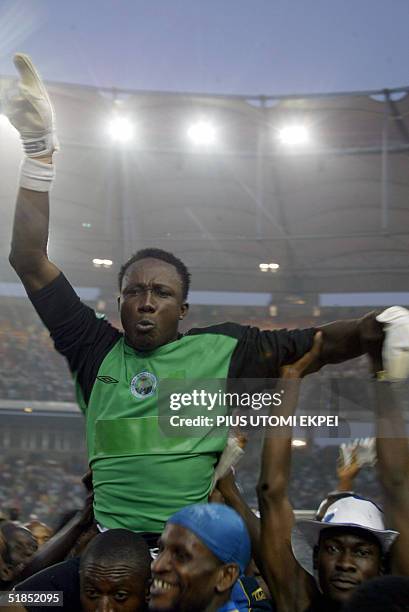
x=220, y=528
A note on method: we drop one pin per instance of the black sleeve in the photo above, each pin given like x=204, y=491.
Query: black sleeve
x=83, y=338
x=260, y=354
x=60, y=577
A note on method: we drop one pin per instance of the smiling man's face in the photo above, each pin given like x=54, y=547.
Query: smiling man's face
x=346, y=558
x=151, y=303
x=185, y=575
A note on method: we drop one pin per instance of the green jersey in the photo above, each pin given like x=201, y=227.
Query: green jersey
x=140, y=475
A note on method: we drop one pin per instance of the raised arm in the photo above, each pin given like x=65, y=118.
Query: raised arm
x=284, y=577
x=392, y=447
x=347, y=471
x=232, y=496
x=28, y=254
x=393, y=470
x=31, y=113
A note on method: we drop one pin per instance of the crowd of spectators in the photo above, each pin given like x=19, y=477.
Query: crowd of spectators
x=46, y=488
x=313, y=474
x=35, y=486
x=30, y=369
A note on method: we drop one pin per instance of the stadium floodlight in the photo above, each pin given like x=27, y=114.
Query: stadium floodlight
x=297, y=443
x=202, y=133
x=294, y=135
x=121, y=129
x=269, y=267
x=102, y=263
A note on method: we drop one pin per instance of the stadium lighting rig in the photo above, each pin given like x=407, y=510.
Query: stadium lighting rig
x=121, y=129
x=202, y=133
x=298, y=443
x=269, y=267
x=294, y=135
x=102, y=263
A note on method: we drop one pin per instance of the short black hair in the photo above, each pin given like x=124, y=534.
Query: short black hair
x=169, y=258
x=115, y=546
x=384, y=594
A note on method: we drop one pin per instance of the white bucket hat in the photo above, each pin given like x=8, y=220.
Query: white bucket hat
x=351, y=512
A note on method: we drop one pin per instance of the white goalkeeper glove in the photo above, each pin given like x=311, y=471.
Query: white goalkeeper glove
x=30, y=111
x=395, y=351
x=230, y=457
x=361, y=450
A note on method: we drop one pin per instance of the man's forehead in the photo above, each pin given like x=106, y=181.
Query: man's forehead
x=176, y=535
x=151, y=269
x=40, y=529
x=113, y=572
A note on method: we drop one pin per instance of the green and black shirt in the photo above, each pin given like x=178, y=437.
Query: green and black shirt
x=141, y=477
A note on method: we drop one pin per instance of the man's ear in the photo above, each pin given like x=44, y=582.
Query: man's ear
x=315, y=558
x=227, y=576
x=183, y=311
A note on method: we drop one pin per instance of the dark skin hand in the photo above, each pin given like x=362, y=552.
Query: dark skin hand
x=347, y=473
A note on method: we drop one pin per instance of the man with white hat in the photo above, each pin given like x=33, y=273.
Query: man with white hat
x=315, y=566
x=346, y=548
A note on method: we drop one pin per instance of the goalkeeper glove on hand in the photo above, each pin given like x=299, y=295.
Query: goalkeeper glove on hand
x=395, y=351
x=30, y=111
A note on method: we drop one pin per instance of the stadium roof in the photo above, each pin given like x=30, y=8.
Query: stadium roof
x=333, y=213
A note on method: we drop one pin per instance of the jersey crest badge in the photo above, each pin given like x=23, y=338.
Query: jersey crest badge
x=143, y=385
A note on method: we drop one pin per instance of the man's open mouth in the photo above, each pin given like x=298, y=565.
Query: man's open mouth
x=160, y=587
x=145, y=325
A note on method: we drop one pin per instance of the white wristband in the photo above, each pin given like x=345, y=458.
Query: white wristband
x=36, y=175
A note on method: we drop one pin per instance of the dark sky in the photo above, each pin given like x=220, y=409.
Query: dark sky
x=216, y=46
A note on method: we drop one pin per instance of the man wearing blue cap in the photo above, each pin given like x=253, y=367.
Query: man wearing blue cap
x=202, y=551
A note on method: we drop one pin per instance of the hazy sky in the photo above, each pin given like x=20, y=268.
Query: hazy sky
x=219, y=46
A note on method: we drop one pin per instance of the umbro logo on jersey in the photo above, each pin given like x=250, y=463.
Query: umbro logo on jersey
x=108, y=380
